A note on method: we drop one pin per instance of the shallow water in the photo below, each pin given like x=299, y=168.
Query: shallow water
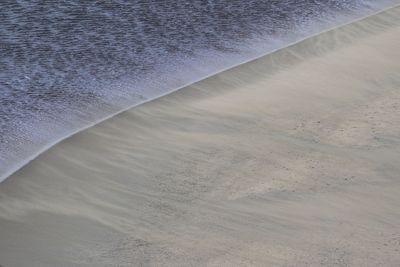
x=66, y=65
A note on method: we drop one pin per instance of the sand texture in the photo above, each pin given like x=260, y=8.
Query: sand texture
x=290, y=160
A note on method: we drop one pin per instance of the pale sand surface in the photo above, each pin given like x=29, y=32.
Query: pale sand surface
x=290, y=160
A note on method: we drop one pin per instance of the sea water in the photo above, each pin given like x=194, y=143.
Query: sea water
x=65, y=65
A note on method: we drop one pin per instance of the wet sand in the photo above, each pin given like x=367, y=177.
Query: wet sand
x=290, y=160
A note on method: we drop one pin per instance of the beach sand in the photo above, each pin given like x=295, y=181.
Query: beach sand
x=290, y=160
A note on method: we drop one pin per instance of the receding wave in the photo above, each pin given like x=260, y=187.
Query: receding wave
x=65, y=66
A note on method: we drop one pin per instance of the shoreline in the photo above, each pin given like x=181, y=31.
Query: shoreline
x=7, y=174
x=288, y=160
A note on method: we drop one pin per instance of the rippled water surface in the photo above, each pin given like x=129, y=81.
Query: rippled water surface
x=66, y=64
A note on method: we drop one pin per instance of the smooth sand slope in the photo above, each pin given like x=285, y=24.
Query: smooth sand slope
x=290, y=160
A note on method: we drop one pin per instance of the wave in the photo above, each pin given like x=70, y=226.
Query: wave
x=45, y=118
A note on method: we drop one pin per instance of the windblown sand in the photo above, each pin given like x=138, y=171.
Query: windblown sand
x=290, y=160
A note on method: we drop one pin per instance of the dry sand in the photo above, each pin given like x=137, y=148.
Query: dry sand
x=290, y=160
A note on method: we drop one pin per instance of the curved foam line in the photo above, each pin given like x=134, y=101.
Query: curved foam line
x=50, y=145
